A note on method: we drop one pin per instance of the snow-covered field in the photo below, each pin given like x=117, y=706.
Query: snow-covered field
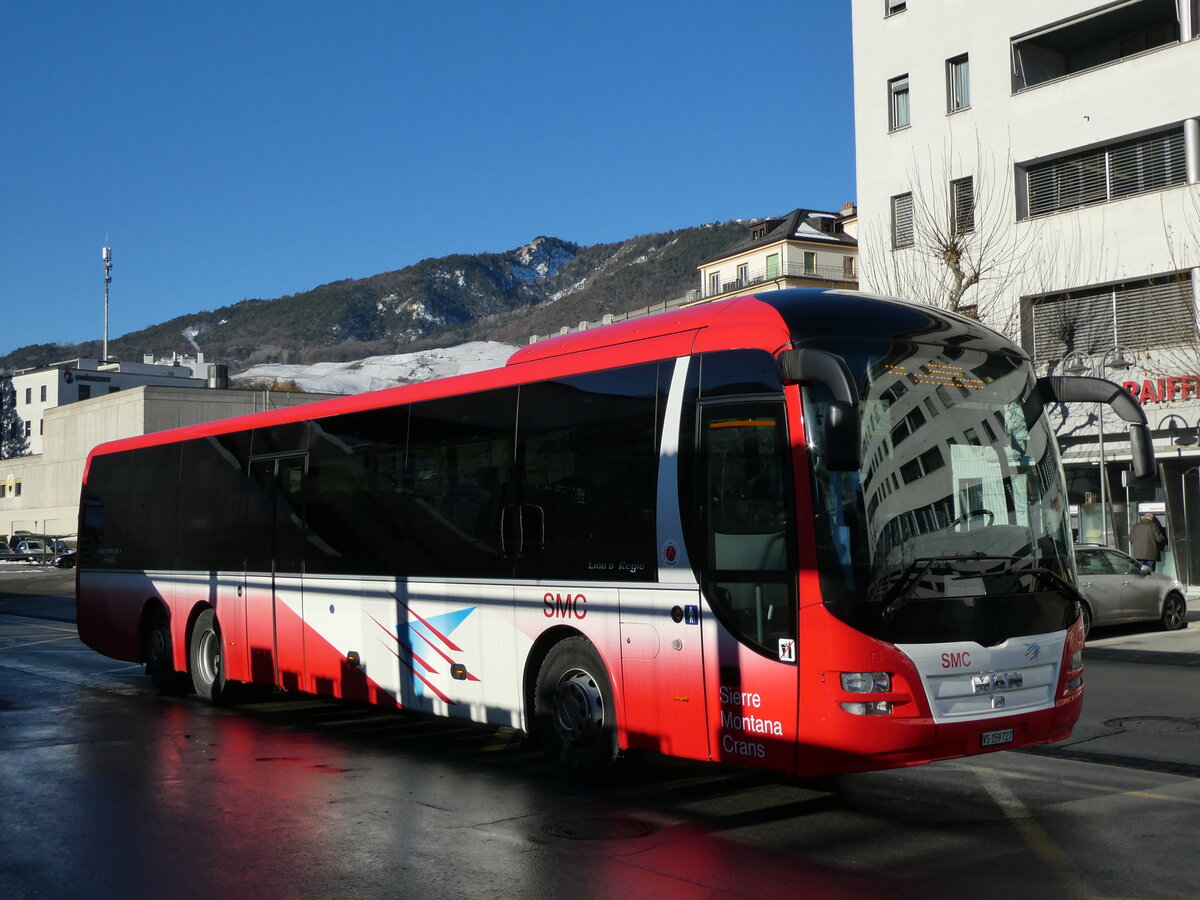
x=379, y=372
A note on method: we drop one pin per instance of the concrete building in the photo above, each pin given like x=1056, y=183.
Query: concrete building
x=40, y=492
x=38, y=390
x=805, y=248
x=1036, y=163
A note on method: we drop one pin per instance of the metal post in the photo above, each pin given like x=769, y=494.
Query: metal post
x=106, y=255
x=1103, y=476
x=1187, y=531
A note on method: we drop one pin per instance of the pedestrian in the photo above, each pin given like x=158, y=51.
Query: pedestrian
x=1147, y=541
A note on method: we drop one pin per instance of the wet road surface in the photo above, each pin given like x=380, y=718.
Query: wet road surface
x=110, y=790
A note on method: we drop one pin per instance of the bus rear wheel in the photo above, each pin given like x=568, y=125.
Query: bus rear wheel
x=205, y=657
x=159, y=657
x=575, y=712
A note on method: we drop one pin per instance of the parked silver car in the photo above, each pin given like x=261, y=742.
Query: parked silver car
x=31, y=551
x=1117, y=588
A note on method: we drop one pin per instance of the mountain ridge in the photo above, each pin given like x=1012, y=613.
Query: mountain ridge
x=437, y=302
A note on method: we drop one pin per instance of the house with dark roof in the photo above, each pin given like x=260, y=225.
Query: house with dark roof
x=805, y=248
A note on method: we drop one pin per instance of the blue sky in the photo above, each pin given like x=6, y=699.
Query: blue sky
x=254, y=149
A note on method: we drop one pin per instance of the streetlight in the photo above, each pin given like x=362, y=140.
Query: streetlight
x=1078, y=364
x=1184, y=437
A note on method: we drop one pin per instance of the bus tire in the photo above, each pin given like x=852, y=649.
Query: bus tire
x=158, y=655
x=575, y=711
x=205, y=657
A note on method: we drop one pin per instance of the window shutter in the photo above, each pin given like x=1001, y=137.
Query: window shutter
x=962, y=205
x=902, y=221
x=1150, y=312
x=1149, y=163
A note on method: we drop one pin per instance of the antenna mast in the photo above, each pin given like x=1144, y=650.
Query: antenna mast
x=106, y=255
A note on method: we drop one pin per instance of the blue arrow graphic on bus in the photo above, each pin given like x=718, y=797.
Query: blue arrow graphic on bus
x=432, y=633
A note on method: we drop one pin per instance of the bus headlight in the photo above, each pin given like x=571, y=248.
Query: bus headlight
x=866, y=683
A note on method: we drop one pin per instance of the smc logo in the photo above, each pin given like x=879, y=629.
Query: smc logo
x=956, y=660
x=572, y=606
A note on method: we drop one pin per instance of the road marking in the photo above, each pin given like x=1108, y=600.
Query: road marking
x=1032, y=833
x=1150, y=796
x=53, y=640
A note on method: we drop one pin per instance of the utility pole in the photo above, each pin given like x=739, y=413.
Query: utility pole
x=106, y=255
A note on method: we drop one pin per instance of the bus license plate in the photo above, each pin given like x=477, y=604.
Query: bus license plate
x=996, y=738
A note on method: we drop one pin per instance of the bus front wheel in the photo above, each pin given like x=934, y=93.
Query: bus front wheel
x=576, y=718
x=205, y=657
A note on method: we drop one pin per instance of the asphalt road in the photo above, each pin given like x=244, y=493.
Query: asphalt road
x=110, y=790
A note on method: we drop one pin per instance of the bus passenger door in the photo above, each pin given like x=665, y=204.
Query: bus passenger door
x=748, y=578
x=275, y=597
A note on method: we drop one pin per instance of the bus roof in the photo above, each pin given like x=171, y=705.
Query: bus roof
x=769, y=321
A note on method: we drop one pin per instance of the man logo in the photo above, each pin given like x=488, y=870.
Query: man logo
x=996, y=681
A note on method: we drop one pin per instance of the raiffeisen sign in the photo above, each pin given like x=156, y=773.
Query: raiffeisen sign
x=1166, y=389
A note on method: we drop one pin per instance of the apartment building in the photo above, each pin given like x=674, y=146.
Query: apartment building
x=805, y=248
x=1036, y=163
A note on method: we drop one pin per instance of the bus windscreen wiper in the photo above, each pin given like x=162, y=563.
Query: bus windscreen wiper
x=908, y=584
x=1055, y=579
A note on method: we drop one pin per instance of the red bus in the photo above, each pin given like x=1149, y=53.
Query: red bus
x=811, y=531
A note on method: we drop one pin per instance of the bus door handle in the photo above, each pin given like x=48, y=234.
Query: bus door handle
x=522, y=529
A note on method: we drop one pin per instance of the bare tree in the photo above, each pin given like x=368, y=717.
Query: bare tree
x=1183, y=253
x=961, y=251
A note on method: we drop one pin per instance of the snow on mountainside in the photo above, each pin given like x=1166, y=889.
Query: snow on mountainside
x=378, y=372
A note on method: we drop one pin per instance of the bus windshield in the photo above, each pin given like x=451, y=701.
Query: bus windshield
x=955, y=525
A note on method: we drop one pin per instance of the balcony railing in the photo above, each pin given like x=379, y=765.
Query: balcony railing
x=792, y=270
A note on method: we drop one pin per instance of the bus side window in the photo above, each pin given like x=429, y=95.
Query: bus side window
x=589, y=464
x=458, y=479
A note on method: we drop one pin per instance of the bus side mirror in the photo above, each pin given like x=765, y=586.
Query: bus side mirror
x=1086, y=389
x=1142, y=446
x=840, y=447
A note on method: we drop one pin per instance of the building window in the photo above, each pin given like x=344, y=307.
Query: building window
x=810, y=263
x=41, y=426
x=85, y=391
x=714, y=283
x=1141, y=314
x=902, y=221
x=958, y=83
x=848, y=267
x=28, y=395
x=743, y=274
x=773, y=265
x=962, y=205
x=28, y=427
x=43, y=393
x=1091, y=40
x=891, y=7
x=898, y=103
x=1150, y=163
